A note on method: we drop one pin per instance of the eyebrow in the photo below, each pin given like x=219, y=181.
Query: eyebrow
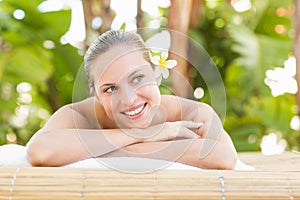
x=130, y=75
x=135, y=71
x=106, y=85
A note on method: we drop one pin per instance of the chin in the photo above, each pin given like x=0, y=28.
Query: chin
x=134, y=124
x=141, y=124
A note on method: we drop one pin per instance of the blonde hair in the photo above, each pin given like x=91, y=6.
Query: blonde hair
x=106, y=41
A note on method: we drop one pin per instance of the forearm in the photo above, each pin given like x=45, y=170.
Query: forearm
x=203, y=153
x=211, y=154
x=60, y=147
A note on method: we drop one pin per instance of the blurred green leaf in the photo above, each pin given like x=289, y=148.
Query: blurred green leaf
x=240, y=129
x=56, y=23
x=24, y=57
x=123, y=26
x=30, y=63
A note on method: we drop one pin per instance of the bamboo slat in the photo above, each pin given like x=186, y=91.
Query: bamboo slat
x=287, y=161
x=65, y=183
x=276, y=177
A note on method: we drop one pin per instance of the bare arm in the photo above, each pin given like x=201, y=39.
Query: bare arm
x=215, y=148
x=204, y=153
x=60, y=147
x=64, y=146
x=67, y=137
x=220, y=143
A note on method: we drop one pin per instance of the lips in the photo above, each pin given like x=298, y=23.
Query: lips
x=135, y=111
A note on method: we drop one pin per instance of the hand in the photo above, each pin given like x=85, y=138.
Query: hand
x=168, y=131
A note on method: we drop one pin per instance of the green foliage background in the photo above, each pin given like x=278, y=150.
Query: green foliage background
x=243, y=46
x=24, y=58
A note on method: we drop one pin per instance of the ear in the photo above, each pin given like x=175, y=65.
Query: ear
x=158, y=80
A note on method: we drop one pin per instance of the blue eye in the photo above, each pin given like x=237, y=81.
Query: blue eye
x=137, y=79
x=111, y=89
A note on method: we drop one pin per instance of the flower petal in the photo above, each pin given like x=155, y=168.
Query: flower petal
x=165, y=73
x=155, y=60
x=164, y=55
x=157, y=72
x=171, y=63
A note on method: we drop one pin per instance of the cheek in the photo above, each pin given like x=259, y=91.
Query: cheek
x=108, y=106
x=151, y=92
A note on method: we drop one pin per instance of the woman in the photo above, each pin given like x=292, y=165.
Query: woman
x=127, y=115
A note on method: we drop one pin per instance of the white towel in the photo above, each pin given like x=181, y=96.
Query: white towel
x=239, y=165
x=141, y=164
x=13, y=155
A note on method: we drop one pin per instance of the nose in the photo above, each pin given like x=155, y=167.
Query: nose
x=128, y=96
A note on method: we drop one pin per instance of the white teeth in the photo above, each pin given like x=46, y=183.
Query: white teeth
x=134, y=112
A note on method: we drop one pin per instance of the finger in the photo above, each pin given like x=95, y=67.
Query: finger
x=187, y=133
x=200, y=133
x=191, y=124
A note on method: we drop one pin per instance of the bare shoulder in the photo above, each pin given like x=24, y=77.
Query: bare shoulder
x=172, y=100
x=176, y=101
x=83, y=107
x=172, y=107
x=75, y=115
x=179, y=108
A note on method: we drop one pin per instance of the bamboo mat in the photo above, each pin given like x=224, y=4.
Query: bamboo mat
x=73, y=183
x=287, y=161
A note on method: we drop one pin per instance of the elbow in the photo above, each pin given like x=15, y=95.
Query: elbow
x=223, y=157
x=228, y=163
x=223, y=163
x=34, y=156
x=228, y=160
x=37, y=154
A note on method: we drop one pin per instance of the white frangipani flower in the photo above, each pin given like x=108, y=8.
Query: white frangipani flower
x=162, y=64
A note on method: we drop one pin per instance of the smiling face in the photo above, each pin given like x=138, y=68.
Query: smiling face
x=126, y=87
